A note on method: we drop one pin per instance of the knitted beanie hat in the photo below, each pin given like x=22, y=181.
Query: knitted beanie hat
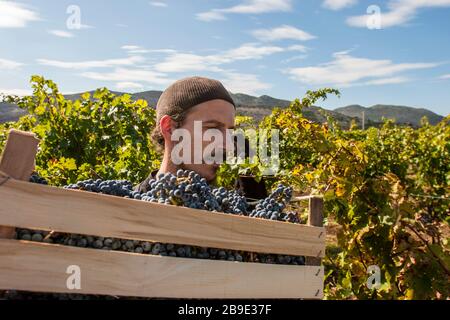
x=189, y=92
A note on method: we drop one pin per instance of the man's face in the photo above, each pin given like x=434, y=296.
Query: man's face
x=211, y=118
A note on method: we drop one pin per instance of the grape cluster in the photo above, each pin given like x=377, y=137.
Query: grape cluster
x=121, y=188
x=231, y=201
x=190, y=190
x=272, y=207
x=35, y=178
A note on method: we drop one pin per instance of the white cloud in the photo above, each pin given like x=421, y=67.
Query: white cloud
x=338, y=4
x=15, y=92
x=130, y=47
x=294, y=58
x=346, y=70
x=134, y=71
x=282, y=33
x=133, y=49
x=249, y=51
x=61, y=33
x=187, y=62
x=400, y=12
x=445, y=76
x=158, y=4
x=127, y=79
x=184, y=62
x=241, y=82
x=16, y=15
x=9, y=64
x=259, y=6
x=129, y=61
x=129, y=75
x=210, y=16
x=297, y=47
x=128, y=85
x=247, y=7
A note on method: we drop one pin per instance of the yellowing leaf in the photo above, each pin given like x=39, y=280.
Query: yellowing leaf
x=340, y=190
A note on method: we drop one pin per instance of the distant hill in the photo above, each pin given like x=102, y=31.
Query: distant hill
x=401, y=114
x=150, y=96
x=262, y=101
x=313, y=113
x=75, y=96
x=258, y=107
x=10, y=112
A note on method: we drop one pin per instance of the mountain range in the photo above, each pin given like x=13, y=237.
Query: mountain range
x=258, y=107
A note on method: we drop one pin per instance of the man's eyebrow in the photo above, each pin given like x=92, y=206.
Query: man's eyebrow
x=218, y=123
x=213, y=122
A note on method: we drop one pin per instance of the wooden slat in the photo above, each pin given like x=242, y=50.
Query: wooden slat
x=36, y=206
x=315, y=218
x=17, y=161
x=42, y=267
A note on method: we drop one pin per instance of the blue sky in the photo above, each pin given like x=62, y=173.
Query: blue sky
x=397, y=52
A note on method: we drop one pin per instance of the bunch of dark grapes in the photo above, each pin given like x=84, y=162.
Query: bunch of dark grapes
x=231, y=201
x=35, y=178
x=190, y=190
x=272, y=207
x=120, y=188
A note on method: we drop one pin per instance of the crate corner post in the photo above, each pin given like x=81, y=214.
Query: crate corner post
x=17, y=162
x=315, y=218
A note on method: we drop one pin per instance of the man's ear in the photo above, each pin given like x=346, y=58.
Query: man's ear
x=166, y=125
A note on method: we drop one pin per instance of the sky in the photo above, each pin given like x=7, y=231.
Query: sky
x=374, y=52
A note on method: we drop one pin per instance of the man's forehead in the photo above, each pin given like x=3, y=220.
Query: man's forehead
x=214, y=111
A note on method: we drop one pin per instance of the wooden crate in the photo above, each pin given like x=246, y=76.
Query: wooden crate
x=42, y=267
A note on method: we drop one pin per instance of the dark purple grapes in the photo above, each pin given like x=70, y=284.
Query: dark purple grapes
x=273, y=206
x=120, y=188
x=189, y=189
x=36, y=178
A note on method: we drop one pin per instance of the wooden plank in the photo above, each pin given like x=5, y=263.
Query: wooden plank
x=315, y=218
x=42, y=267
x=17, y=161
x=34, y=206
